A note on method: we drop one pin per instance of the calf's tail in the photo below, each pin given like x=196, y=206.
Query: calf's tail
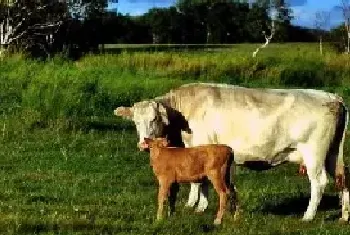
x=230, y=184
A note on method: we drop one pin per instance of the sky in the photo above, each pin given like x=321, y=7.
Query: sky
x=304, y=11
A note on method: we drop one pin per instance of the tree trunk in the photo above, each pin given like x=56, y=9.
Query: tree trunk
x=348, y=49
x=2, y=34
x=208, y=33
x=321, y=51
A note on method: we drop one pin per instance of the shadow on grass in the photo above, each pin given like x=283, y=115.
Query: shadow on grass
x=298, y=205
x=45, y=199
x=207, y=228
x=85, y=227
x=106, y=126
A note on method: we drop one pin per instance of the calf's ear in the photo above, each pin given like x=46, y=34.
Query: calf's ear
x=165, y=142
x=147, y=140
x=125, y=112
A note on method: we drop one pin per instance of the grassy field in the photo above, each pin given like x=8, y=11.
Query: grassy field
x=68, y=166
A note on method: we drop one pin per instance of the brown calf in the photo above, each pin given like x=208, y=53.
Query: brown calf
x=183, y=165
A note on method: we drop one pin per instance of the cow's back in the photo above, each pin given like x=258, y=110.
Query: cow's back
x=259, y=124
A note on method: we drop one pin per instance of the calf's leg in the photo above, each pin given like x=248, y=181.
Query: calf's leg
x=164, y=186
x=221, y=189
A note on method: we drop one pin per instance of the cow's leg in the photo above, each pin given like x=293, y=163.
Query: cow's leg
x=344, y=195
x=193, y=195
x=203, y=197
x=318, y=180
x=313, y=157
x=345, y=205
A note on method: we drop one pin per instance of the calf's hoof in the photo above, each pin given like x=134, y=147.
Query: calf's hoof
x=307, y=218
x=217, y=221
x=159, y=218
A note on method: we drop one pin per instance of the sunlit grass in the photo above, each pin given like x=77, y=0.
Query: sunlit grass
x=68, y=166
x=97, y=182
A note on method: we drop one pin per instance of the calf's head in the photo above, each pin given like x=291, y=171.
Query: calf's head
x=156, y=142
x=150, y=118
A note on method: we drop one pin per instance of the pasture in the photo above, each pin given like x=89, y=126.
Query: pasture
x=68, y=166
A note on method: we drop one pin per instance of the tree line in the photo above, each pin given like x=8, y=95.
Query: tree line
x=43, y=28
x=200, y=22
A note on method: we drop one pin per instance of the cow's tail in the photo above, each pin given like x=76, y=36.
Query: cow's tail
x=335, y=164
x=341, y=170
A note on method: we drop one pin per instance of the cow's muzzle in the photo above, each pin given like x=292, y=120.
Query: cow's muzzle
x=143, y=146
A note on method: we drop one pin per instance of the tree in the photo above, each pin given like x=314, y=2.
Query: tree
x=211, y=15
x=42, y=28
x=339, y=39
x=31, y=25
x=282, y=20
x=321, y=24
x=272, y=27
x=256, y=23
x=87, y=9
x=346, y=14
x=164, y=24
x=87, y=16
x=279, y=21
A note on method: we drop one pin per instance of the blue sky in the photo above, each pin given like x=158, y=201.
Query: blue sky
x=303, y=10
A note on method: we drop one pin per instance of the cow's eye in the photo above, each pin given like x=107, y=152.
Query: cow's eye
x=155, y=118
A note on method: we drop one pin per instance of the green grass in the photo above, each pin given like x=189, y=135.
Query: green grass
x=68, y=166
x=97, y=182
x=66, y=92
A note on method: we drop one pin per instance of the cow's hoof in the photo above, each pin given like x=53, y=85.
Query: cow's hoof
x=198, y=211
x=307, y=219
x=201, y=207
x=343, y=221
x=190, y=205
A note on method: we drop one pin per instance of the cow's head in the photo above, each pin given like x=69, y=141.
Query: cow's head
x=150, y=118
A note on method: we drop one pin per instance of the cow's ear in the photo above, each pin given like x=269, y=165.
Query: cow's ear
x=125, y=112
x=163, y=114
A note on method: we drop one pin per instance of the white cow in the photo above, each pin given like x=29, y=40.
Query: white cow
x=261, y=125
